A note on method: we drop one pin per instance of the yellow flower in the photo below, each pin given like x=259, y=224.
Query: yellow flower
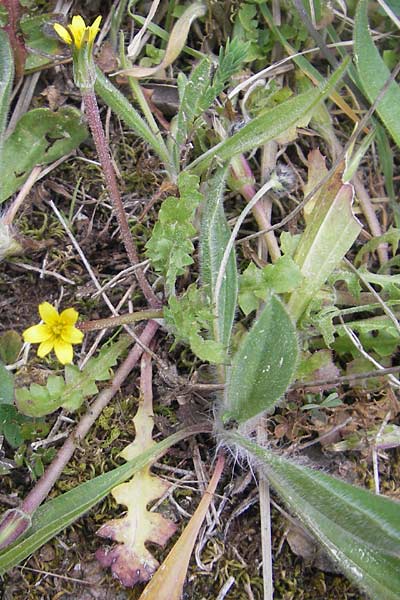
x=57, y=331
x=77, y=33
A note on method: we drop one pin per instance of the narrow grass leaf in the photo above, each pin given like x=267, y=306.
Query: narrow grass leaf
x=263, y=366
x=360, y=530
x=374, y=73
x=215, y=234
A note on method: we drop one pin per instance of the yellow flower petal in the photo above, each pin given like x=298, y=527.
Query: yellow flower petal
x=69, y=316
x=77, y=29
x=45, y=347
x=48, y=313
x=72, y=335
x=37, y=334
x=63, y=351
x=94, y=28
x=63, y=33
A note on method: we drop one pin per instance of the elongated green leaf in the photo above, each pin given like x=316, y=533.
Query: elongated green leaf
x=268, y=125
x=123, y=109
x=374, y=73
x=40, y=137
x=6, y=80
x=215, y=234
x=360, y=530
x=6, y=386
x=264, y=365
x=55, y=515
x=331, y=231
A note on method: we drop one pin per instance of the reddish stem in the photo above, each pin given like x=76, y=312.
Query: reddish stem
x=103, y=151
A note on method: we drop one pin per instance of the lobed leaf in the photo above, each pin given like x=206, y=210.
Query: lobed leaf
x=170, y=247
x=55, y=515
x=70, y=391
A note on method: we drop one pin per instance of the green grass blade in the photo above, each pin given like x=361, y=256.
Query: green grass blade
x=374, y=73
x=360, y=530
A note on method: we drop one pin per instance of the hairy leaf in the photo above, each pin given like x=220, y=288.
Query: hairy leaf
x=374, y=73
x=358, y=529
x=263, y=366
x=215, y=234
x=268, y=126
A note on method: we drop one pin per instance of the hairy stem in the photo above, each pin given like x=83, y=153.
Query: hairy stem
x=103, y=150
x=140, y=315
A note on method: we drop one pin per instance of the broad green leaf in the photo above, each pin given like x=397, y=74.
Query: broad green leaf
x=255, y=284
x=10, y=346
x=360, y=530
x=330, y=233
x=125, y=111
x=41, y=47
x=39, y=400
x=6, y=386
x=40, y=137
x=374, y=73
x=263, y=366
x=268, y=126
x=55, y=515
x=215, y=234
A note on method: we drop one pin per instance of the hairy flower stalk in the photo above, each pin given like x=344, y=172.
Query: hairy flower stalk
x=81, y=38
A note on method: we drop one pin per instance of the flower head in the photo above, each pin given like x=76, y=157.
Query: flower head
x=77, y=33
x=81, y=38
x=57, y=331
